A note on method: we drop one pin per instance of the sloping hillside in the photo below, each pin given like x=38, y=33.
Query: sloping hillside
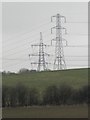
x=40, y=80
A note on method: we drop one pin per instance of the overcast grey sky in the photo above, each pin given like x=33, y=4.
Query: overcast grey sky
x=23, y=22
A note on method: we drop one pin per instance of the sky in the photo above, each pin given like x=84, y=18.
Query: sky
x=22, y=23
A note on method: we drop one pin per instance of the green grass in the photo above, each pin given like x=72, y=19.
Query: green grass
x=46, y=112
x=40, y=80
x=75, y=77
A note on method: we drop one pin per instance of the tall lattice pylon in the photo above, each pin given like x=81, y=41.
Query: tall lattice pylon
x=59, y=61
x=42, y=64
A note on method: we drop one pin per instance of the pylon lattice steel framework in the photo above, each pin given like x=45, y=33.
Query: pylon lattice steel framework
x=42, y=64
x=59, y=61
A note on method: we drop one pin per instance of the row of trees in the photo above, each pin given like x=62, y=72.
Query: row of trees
x=53, y=95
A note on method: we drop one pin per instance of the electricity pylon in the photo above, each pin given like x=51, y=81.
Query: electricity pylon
x=59, y=61
x=42, y=64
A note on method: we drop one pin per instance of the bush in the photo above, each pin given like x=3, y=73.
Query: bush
x=13, y=97
x=65, y=94
x=89, y=94
x=83, y=94
x=32, y=97
x=4, y=96
x=21, y=94
x=51, y=96
x=23, y=70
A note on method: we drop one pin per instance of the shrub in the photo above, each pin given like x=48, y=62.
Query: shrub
x=83, y=94
x=51, y=95
x=32, y=97
x=21, y=93
x=5, y=96
x=65, y=94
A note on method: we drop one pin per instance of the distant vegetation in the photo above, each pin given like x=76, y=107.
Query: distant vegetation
x=28, y=88
x=53, y=95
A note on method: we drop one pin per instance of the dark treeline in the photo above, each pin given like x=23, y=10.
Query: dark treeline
x=53, y=95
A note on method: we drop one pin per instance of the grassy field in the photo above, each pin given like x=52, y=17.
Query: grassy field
x=76, y=77
x=47, y=112
x=40, y=80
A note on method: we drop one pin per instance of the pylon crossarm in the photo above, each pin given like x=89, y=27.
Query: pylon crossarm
x=34, y=45
x=53, y=40
x=52, y=29
x=64, y=18
x=52, y=18
x=34, y=54
x=34, y=63
x=64, y=29
x=47, y=54
x=66, y=43
x=47, y=63
x=46, y=45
